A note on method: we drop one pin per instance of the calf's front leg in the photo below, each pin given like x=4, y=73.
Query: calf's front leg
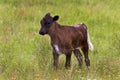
x=56, y=57
x=68, y=60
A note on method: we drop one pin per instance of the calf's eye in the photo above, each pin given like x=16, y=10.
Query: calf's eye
x=47, y=23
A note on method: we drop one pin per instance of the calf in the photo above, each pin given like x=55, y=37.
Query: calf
x=66, y=39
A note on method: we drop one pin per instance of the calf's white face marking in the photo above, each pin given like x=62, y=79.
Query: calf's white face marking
x=57, y=49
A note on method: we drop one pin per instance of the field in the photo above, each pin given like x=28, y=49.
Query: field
x=25, y=55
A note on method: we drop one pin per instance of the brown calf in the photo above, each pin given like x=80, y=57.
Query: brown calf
x=65, y=39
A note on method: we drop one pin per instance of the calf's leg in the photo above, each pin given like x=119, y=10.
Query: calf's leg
x=85, y=51
x=78, y=56
x=56, y=57
x=68, y=60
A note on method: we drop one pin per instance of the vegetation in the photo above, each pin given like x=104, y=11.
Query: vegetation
x=25, y=55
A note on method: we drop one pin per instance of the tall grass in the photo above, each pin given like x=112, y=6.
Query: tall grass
x=25, y=55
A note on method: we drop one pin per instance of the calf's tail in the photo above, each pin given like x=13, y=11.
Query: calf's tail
x=91, y=47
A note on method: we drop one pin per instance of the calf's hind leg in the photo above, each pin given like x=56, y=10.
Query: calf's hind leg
x=78, y=56
x=85, y=51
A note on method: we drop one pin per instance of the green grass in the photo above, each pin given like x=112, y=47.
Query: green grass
x=24, y=53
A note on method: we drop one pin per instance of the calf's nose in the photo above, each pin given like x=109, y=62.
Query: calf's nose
x=41, y=33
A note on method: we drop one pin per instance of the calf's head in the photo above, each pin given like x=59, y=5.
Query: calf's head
x=46, y=23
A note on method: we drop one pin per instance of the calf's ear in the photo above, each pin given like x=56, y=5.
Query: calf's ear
x=55, y=18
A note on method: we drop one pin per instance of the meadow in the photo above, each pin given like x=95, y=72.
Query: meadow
x=25, y=55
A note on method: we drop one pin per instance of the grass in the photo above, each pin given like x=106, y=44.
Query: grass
x=25, y=55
